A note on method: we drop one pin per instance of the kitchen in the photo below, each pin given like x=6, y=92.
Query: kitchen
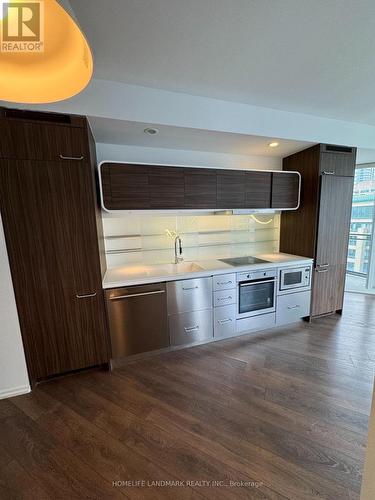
x=172, y=294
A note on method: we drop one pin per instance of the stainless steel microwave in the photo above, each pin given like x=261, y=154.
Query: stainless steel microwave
x=295, y=277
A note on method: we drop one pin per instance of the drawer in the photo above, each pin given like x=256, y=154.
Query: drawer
x=187, y=328
x=256, y=323
x=292, y=307
x=225, y=321
x=224, y=282
x=224, y=297
x=189, y=295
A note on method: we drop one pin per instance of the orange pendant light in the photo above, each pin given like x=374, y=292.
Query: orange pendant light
x=44, y=56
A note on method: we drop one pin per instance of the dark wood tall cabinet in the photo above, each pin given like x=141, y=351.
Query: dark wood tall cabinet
x=53, y=230
x=320, y=228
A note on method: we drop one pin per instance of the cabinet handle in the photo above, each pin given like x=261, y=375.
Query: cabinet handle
x=322, y=265
x=225, y=298
x=294, y=307
x=191, y=329
x=321, y=270
x=137, y=295
x=190, y=288
x=224, y=321
x=325, y=172
x=224, y=282
x=86, y=296
x=74, y=158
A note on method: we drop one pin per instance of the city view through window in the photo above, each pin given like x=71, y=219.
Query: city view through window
x=359, y=266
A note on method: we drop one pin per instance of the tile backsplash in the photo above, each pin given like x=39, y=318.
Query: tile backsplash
x=149, y=239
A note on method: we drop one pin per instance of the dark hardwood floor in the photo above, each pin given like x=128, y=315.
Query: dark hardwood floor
x=284, y=411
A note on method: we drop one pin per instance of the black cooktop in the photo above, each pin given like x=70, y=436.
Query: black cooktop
x=243, y=261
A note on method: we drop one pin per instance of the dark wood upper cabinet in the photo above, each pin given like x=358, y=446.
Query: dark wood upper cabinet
x=285, y=190
x=125, y=187
x=20, y=139
x=200, y=188
x=166, y=187
x=336, y=162
x=230, y=189
x=145, y=187
x=258, y=189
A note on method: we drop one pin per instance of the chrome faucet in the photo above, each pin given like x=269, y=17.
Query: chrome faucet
x=178, y=253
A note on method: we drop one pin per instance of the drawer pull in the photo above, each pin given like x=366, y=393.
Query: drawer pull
x=321, y=270
x=191, y=329
x=322, y=265
x=156, y=292
x=72, y=158
x=221, y=283
x=190, y=287
x=86, y=296
x=294, y=307
x=224, y=321
x=325, y=172
x=225, y=298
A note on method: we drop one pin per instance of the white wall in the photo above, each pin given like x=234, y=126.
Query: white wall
x=13, y=372
x=117, y=152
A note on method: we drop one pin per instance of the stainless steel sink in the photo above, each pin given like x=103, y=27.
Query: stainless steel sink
x=182, y=267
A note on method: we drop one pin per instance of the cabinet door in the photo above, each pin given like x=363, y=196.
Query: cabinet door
x=285, y=190
x=328, y=289
x=230, y=189
x=125, y=186
x=334, y=220
x=258, y=189
x=166, y=186
x=337, y=162
x=332, y=243
x=200, y=188
x=42, y=141
x=48, y=211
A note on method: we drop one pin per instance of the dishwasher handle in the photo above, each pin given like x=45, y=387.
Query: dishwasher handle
x=131, y=295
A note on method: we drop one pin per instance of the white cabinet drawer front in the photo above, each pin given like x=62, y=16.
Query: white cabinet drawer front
x=256, y=323
x=292, y=307
x=191, y=327
x=224, y=282
x=225, y=321
x=224, y=297
x=189, y=295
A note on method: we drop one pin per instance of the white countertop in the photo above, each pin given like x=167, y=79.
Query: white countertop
x=137, y=274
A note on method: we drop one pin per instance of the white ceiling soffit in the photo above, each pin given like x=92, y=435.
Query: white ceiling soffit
x=315, y=57
x=132, y=133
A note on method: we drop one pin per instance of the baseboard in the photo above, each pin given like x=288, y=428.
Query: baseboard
x=14, y=391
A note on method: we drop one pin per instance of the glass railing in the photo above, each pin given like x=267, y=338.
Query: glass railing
x=359, y=253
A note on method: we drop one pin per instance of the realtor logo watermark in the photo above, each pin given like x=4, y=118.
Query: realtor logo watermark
x=22, y=26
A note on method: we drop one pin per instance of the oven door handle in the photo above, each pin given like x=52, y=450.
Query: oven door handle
x=258, y=282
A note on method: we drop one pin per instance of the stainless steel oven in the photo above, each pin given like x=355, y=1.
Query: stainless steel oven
x=256, y=292
x=295, y=277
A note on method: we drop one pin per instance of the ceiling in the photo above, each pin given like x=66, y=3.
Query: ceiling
x=315, y=57
x=132, y=133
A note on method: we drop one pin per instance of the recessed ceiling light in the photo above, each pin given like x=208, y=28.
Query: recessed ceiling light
x=151, y=131
x=273, y=144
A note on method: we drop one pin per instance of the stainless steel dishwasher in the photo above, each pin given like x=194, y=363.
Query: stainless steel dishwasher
x=138, y=319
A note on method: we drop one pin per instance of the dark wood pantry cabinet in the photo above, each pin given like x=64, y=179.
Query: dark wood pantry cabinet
x=320, y=228
x=142, y=187
x=53, y=230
